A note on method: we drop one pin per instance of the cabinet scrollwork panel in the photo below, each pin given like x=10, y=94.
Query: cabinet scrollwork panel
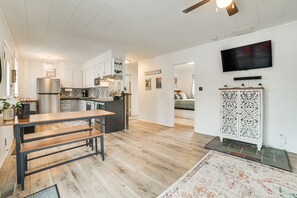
x=250, y=114
x=229, y=117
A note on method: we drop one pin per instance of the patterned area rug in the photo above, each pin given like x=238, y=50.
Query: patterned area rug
x=223, y=175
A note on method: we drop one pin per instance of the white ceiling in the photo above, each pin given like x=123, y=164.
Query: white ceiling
x=78, y=30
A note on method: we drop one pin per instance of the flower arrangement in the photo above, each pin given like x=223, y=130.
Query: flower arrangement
x=9, y=103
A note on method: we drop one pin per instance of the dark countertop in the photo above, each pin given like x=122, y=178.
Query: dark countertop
x=88, y=99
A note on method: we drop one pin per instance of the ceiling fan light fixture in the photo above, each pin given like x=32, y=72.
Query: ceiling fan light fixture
x=223, y=3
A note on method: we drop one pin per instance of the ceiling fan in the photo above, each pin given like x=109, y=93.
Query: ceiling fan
x=230, y=6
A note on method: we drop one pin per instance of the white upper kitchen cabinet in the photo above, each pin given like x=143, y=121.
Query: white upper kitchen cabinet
x=97, y=71
x=105, y=69
x=91, y=76
x=77, y=79
x=66, y=78
x=84, y=78
x=101, y=70
x=104, y=65
x=88, y=77
x=71, y=78
x=108, y=67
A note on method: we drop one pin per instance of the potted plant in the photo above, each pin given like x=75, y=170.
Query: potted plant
x=8, y=106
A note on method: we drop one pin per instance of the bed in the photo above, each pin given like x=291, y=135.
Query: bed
x=186, y=104
x=183, y=103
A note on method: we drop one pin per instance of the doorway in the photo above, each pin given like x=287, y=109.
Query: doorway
x=184, y=94
x=128, y=89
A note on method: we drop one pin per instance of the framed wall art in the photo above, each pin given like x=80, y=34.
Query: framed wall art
x=148, y=84
x=158, y=82
x=153, y=72
x=51, y=73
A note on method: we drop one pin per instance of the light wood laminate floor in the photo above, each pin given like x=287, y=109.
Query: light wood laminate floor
x=141, y=162
x=184, y=121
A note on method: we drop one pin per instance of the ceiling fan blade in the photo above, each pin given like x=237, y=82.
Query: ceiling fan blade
x=232, y=8
x=193, y=7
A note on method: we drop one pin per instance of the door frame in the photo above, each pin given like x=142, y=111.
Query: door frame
x=195, y=80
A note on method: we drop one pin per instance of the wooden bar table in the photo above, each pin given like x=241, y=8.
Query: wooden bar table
x=40, y=119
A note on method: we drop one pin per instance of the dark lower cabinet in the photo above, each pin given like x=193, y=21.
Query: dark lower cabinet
x=115, y=122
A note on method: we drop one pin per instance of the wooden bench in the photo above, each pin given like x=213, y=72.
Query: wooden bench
x=56, y=132
x=58, y=141
x=63, y=137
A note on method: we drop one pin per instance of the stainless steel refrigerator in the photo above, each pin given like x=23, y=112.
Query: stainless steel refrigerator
x=48, y=95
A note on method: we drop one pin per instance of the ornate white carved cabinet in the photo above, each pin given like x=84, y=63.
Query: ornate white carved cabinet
x=242, y=115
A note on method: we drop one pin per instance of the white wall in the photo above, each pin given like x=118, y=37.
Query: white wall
x=132, y=69
x=5, y=37
x=32, y=69
x=184, y=74
x=279, y=82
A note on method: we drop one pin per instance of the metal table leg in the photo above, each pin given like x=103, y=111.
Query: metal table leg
x=96, y=146
x=102, y=129
x=102, y=146
x=91, y=140
x=17, y=132
x=22, y=171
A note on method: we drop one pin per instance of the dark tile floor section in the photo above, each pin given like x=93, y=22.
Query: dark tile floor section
x=268, y=155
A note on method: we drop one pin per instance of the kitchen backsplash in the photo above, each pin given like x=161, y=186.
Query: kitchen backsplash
x=98, y=92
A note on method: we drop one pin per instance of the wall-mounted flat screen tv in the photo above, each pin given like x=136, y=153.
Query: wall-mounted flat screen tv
x=247, y=57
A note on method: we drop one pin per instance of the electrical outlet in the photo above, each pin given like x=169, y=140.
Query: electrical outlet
x=283, y=137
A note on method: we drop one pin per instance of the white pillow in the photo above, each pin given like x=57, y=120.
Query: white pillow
x=183, y=96
x=177, y=96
